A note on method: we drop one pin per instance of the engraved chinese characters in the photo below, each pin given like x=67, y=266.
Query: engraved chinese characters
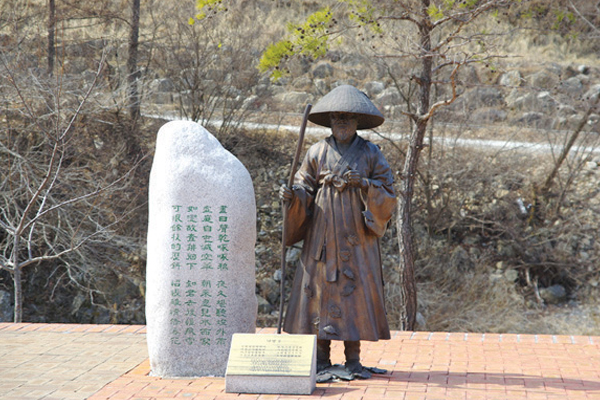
x=200, y=269
x=199, y=241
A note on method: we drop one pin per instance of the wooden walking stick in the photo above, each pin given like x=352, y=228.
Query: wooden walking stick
x=284, y=208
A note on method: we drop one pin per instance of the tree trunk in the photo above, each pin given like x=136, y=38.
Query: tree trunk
x=18, y=287
x=132, y=60
x=409, y=175
x=405, y=230
x=51, y=35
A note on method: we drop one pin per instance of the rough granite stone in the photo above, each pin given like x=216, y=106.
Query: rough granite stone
x=200, y=279
x=270, y=384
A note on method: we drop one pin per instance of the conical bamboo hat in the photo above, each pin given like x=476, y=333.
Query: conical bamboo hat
x=346, y=98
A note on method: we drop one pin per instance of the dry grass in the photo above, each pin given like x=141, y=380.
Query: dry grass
x=481, y=261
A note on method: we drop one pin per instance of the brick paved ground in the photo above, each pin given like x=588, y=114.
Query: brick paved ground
x=421, y=365
x=56, y=361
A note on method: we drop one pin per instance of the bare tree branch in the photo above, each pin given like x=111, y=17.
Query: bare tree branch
x=446, y=102
x=584, y=19
x=87, y=195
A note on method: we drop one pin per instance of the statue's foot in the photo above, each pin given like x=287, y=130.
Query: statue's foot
x=323, y=365
x=324, y=376
x=334, y=372
x=357, y=370
x=348, y=372
x=375, y=370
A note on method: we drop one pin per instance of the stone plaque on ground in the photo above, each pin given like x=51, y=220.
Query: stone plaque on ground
x=272, y=364
x=200, y=281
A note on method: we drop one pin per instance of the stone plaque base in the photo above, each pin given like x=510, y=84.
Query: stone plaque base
x=271, y=364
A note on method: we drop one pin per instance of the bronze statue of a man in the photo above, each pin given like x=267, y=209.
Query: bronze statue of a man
x=340, y=206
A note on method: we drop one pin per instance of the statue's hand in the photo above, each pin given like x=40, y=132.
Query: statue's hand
x=353, y=178
x=285, y=193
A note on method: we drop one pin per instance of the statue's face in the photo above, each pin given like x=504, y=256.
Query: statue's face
x=343, y=126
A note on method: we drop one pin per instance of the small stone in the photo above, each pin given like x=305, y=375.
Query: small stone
x=592, y=93
x=269, y=289
x=511, y=78
x=293, y=255
x=511, y=275
x=583, y=69
x=374, y=88
x=500, y=193
x=543, y=80
x=572, y=85
x=6, y=309
x=323, y=70
x=421, y=321
x=261, y=249
x=554, y=294
x=264, y=307
x=389, y=96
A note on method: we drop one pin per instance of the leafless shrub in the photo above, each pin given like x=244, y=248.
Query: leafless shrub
x=211, y=64
x=55, y=205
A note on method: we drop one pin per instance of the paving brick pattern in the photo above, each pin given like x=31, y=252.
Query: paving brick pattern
x=61, y=361
x=421, y=365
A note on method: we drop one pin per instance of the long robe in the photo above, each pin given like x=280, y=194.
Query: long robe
x=338, y=286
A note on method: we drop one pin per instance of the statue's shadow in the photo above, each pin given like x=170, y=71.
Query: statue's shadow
x=515, y=381
x=476, y=381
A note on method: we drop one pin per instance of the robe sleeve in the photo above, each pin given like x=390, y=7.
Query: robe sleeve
x=299, y=209
x=298, y=215
x=379, y=198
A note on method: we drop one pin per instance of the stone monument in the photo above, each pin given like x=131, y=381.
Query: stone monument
x=200, y=279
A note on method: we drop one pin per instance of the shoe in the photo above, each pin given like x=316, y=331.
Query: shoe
x=323, y=365
x=357, y=370
x=354, y=366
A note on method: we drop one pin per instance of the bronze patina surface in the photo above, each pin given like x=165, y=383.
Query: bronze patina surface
x=340, y=206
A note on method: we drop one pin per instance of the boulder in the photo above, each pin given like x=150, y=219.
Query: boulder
x=484, y=97
x=511, y=78
x=554, y=294
x=374, y=88
x=543, y=80
x=592, y=93
x=6, y=308
x=534, y=119
x=573, y=85
x=322, y=70
x=532, y=102
x=389, y=97
x=296, y=100
x=269, y=290
x=264, y=307
x=200, y=273
x=487, y=115
x=303, y=82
